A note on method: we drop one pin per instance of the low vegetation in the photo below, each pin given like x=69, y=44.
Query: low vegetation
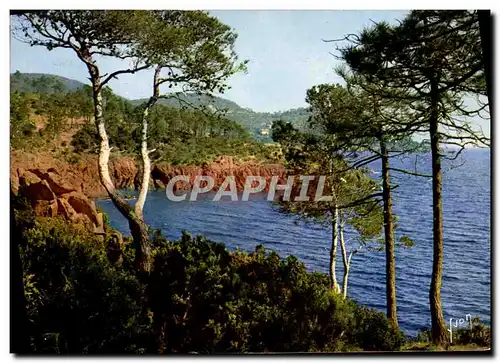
x=475, y=337
x=84, y=295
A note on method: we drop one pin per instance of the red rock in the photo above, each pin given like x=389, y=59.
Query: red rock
x=34, y=188
x=27, y=178
x=82, y=205
x=99, y=228
x=58, y=187
x=46, y=208
x=65, y=209
x=57, y=183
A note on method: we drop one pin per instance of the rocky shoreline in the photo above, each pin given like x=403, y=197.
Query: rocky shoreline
x=58, y=188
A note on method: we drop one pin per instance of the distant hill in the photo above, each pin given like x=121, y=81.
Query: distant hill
x=41, y=82
x=257, y=123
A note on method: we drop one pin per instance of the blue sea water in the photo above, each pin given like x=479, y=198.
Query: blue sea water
x=467, y=238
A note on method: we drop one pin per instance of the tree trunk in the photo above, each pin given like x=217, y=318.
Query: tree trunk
x=347, y=261
x=485, y=30
x=146, y=167
x=333, y=251
x=439, y=333
x=390, y=256
x=146, y=162
x=138, y=228
x=140, y=235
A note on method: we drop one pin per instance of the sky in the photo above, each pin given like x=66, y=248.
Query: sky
x=285, y=50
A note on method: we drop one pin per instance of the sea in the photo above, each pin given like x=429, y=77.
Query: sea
x=467, y=236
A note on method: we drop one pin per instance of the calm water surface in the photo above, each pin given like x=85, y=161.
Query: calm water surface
x=467, y=242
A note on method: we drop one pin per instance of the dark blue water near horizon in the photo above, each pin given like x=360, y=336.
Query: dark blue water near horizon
x=467, y=237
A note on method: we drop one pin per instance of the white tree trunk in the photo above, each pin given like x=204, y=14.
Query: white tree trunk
x=146, y=166
x=347, y=261
x=104, y=149
x=146, y=162
x=104, y=153
x=333, y=250
x=138, y=228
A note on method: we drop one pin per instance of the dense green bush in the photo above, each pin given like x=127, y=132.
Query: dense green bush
x=200, y=297
x=86, y=139
x=78, y=301
x=223, y=301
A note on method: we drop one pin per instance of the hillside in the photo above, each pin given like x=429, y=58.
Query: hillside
x=42, y=83
x=257, y=123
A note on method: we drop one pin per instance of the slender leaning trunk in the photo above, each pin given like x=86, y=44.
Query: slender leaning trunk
x=439, y=333
x=138, y=228
x=146, y=167
x=346, y=260
x=390, y=255
x=333, y=250
x=146, y=162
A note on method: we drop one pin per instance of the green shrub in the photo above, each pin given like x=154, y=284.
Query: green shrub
x=424, y=335
x=477, y=334
x=78, y=302
x=199, y=297
x=85, y=139
x=217, y=301
x=372, y=331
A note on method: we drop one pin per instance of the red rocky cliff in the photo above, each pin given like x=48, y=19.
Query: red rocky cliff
x=57, y=187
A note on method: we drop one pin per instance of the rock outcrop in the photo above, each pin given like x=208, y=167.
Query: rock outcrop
x=51, y=196
x=161, y=174
x=83, y=176
x=58, y=188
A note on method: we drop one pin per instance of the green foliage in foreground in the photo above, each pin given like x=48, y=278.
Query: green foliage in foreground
x=199, y=298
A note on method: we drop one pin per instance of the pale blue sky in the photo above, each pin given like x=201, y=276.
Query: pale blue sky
x=285, y=48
